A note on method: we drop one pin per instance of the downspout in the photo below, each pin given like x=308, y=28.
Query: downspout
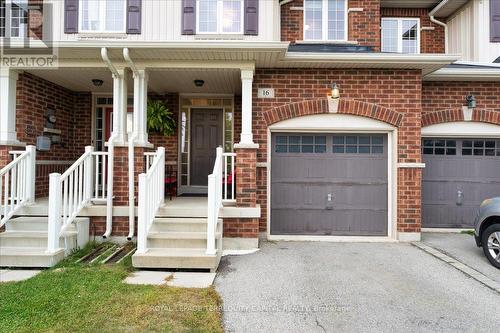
x=131, y=164
x=111, y=148
x=434, y=20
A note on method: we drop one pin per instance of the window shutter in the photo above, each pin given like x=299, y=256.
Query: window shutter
x=188, y=17
x=70, y=16
x=494, y=21
x=134, y=16
x=251, y=18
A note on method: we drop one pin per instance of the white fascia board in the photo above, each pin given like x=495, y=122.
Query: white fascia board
x=454, y=74
x=195, y=44
x=441, y=59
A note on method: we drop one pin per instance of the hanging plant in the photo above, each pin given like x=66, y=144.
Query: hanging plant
x=160, y=119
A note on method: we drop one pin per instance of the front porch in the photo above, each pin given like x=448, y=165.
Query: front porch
x=96, y=147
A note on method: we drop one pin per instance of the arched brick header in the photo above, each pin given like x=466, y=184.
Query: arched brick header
x=346, y=106
x=450, y=115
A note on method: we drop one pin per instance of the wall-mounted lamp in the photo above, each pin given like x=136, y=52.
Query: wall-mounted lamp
x=471, y=101
x=97, y=82
x=199, y=83
x=335, y=91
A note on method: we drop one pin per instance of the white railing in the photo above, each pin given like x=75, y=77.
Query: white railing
x=214, y=200
x=150, y=156
x=229, y=178
x=151, y=197
x=100, y=178
x=69, y=193
x=17, y=183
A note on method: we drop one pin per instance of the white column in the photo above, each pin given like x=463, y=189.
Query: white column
x=246, y=107
x=8, y=81
x=120, y=106
x=140, y=107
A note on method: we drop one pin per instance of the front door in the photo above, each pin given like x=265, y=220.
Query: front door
x=206, y=136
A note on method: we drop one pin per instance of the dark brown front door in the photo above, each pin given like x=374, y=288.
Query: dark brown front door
x=206, y=135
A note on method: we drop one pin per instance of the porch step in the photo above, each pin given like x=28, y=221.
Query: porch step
x=30, y=239
x=179, y=242
x=179, y=224
x=29, y=257
x=190, y=258
x=24, y=242
x=179, y=239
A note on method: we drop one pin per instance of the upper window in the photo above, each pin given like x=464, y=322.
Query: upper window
x=219, y=16
x=15, y=24
x=401, y=35
x=102, y=15
x=325, y=20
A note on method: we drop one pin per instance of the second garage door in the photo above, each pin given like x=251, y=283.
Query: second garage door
x=459, y=174
x=329, y=184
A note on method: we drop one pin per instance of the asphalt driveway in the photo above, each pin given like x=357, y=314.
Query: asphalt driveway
x=462, y=247
x=362, y=287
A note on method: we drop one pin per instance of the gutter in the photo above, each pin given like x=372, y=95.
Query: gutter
x=111, y=162
x=131, y=166
x=434, y=20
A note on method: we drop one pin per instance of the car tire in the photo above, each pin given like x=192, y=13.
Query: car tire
x=492, y=233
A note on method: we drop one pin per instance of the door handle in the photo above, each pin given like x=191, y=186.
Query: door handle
x=460, y=196
x=329, y=201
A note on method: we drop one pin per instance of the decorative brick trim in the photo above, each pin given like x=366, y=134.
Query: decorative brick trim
x=319, y=106
x=445, y=116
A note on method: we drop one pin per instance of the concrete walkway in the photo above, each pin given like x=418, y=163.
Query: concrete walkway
x=351, y=287
x=15, y=275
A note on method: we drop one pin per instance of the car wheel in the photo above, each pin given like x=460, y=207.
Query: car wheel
x=491, y=244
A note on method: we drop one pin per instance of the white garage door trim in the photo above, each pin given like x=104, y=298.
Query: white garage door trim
x=460, y=129
x=340, y=123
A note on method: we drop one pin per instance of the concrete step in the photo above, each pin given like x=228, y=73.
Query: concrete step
x=31, y=239
x=183, y=258
x=179, y=224
x=178, y=239
x=27, y=224
x=29, y=257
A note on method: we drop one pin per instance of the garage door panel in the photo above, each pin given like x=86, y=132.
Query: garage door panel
x=454, y=185
x=342, y=192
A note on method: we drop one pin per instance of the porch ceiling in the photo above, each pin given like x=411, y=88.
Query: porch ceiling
x=217, y=81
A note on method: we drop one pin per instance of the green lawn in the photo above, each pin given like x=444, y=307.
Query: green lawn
x=92, y=298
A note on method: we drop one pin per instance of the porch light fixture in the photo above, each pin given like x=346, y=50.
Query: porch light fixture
x=199, y=83
x=97, y=82
x=335, y=91
x=471, y=101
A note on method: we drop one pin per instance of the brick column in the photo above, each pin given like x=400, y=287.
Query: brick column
x=246, y=175
x=409, y=200
x=120, y=184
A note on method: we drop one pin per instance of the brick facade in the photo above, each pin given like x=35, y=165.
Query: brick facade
x=393, y=96
x=364, y=26
x=431, y=41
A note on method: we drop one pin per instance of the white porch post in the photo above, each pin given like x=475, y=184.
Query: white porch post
x=8, y=80
x=120, y=106
x=246, y=107
x=140, y=107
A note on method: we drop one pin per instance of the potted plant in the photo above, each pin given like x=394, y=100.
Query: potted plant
x=160, y=119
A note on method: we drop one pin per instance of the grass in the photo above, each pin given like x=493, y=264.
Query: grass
x=467, y=232
x=74, y=297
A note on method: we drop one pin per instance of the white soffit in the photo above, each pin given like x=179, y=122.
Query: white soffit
x=462, y=129
x=458, y=74
x=331, y=122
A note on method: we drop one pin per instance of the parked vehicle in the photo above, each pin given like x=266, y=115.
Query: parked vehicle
x=487, y=229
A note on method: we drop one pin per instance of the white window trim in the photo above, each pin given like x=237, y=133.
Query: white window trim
x=324, y=21
x=102, y=14
x=400, y=40
x=8, y=19
x=219, y=20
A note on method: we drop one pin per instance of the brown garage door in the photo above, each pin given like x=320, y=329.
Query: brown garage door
x=329, y=184
x=459, y=174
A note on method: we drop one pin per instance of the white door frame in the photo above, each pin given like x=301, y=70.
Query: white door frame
x=340, y=123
